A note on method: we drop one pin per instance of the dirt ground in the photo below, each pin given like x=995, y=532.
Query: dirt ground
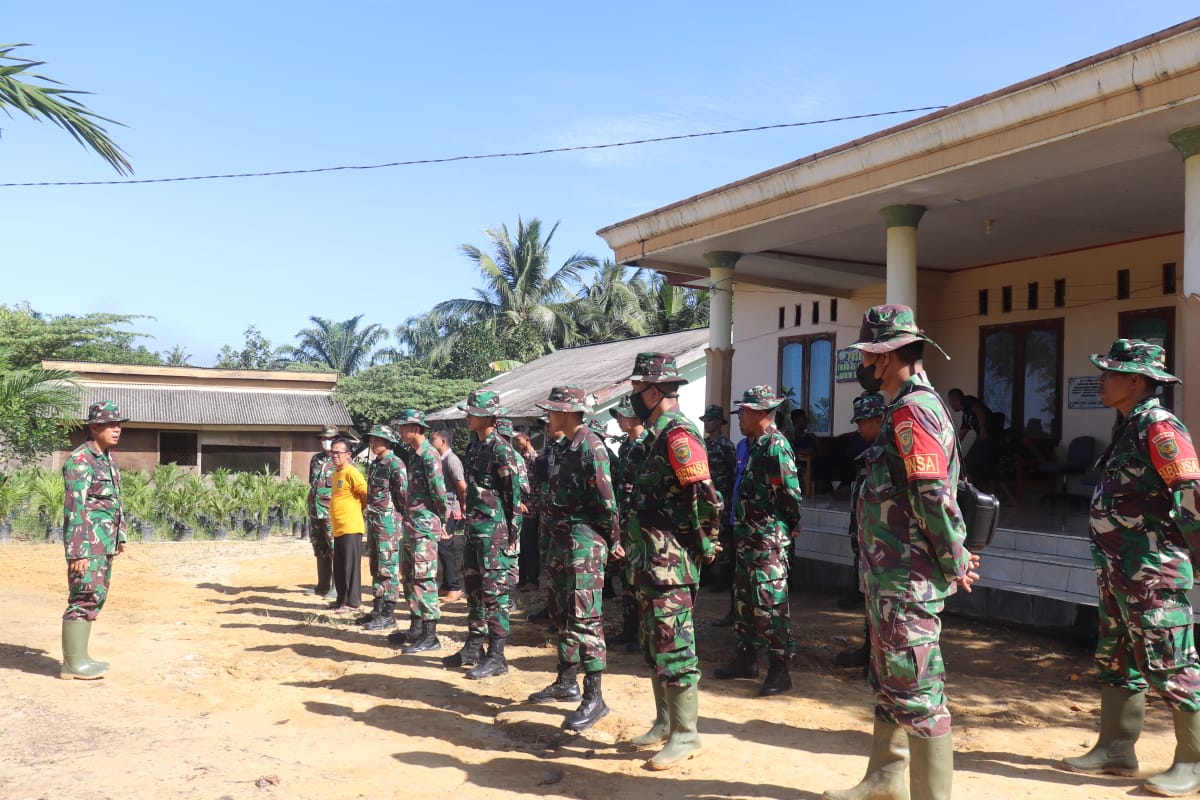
x=229, y=681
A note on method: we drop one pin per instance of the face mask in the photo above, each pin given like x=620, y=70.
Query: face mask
x=639, y=405
x=866, y=378
x=326, y=444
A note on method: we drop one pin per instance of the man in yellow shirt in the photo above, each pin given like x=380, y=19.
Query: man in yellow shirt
x=346, y=504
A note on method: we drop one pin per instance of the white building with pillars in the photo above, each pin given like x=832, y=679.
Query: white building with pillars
x=1028, y=228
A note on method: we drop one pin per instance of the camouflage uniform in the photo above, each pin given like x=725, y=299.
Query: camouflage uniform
x=93, y=525
x=320, y=482
x=504, y=429
x=424, y=523
x=387, y=488
x=629, y=460
x=767, y=511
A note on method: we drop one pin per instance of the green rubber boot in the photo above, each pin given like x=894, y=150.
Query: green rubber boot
x=930, y=767
x=77, y=664
x=661, y=728
x=1121, y=716
x=683, y=707
x=1184, y=775
x=885, y=768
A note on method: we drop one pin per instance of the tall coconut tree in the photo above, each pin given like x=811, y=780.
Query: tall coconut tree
x=522, y=290
x=668, y=307
x=341, y=346
x=45, y=99
x=609, y=307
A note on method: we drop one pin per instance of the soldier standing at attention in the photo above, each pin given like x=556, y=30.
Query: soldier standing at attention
x=766, y=513
x=722, y=463
x=585, y=526
x=529, y=562
x=912, y=556
x=387, y=487
x=320, y=473
x=1145, y=525
x=504, y=429
x=347, y=500
x=673, y=527
x=93, y=535
x=629, y=460
x=493, y=497
x=425, y=514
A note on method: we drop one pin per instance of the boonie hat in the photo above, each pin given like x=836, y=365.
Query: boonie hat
x=759, y=398
x=104, y=412
x=656, y=368
x=1138, y=357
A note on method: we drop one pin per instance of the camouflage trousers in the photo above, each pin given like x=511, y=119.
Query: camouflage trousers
x=419, y=565
x=514, y=553
x=487, y=571
x=383, y=553
x=577, y=555
x=762, y=616
x=906, y=669
x=668, y=633
x=320, y=534
x=1147, y=641
x=87, y=592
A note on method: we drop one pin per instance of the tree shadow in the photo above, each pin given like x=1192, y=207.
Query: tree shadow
x=31, y=660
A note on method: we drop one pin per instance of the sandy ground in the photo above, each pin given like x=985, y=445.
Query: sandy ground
x=229, y=681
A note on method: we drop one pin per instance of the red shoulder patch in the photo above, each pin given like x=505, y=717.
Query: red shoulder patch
x=924, y=457
x=688, y=456
x=1172, y=452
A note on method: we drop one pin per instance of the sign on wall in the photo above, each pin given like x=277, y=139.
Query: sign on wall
x=846, y=367
x=1084, y=392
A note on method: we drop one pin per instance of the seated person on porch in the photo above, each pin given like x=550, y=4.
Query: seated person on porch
x=803, y=444
x=984, y=456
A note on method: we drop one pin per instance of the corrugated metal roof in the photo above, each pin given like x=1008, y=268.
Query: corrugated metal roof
x=185, y=405
x=601, y=369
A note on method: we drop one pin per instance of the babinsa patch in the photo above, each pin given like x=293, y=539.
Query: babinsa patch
x=1172, y=452
x=687, y=455
x=922, y=451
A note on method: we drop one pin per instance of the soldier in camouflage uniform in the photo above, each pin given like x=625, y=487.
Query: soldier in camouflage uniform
x=320, y=485
x=504, y=429
x=911, y=542
x=583, y=526
x=673, y=529
x=1145, y=526
x=766, y=513
x=545, y=468
x=722, y=462
x=93, y=535
x=425, y=513
x=387, y=489
x=493, y=530
x=627, y=463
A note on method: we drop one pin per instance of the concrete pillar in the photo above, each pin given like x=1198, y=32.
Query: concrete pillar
x=1187, y=351
x=901, y=224
x=719, y=354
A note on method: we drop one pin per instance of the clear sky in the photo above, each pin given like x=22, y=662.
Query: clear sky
x=259, y=85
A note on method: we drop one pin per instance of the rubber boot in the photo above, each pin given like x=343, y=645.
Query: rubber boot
x=469, y=655
x=683, y=706
x=77, y=664
x=1184, y=775
x=629, y=627
x=1121, y=716
x=371, y=615
x=385, y=619
x=885, y=767
x=428, y=640
x=743, y=665
x=661, y=728
x=565, y=686
x=931, y=767
x=324, y=576
x=779, y=680
x=492, y=664
x=592, y=709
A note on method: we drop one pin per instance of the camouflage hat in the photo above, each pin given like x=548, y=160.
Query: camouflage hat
x=713, y=413
x=1138, y=357
x=598, y=426
x=889, y=327
x=504, y=427
x=328, y=432
x=384, y=432
x=412, y=416
x=759, y=398
x=565, y=398
x=623, y=409
x=104, y=412
x=867, y=405
x=656, y=368
x=483, y=403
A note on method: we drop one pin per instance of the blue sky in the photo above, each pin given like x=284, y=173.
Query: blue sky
x=221, y=87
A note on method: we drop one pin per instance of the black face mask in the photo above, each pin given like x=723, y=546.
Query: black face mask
x=639, y=405
x=866, y=378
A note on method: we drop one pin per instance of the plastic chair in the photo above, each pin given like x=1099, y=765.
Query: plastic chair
x=1079, y=459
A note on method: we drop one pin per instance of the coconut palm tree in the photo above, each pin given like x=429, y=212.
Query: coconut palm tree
x=341, y=346
x=55, y=104
x=610, y=307
x=668, y=307
x=521, y=290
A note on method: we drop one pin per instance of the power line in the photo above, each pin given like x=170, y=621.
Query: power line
x=477, y=157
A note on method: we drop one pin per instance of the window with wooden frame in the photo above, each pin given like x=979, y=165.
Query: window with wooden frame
x=1021, y=375
x=806, y=375
x=1157, y=326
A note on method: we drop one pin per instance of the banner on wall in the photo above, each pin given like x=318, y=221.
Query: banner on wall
x=846, y=366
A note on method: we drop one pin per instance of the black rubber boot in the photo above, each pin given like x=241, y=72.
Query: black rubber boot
x=743, y=665
x=492, y=664
x=324, y=576
x=469, y=655
x=629, y=628
x=779, y=680
x=386, y=618
x=592, y=709
x=428, y=640
x=371, y=615
x=565, y=686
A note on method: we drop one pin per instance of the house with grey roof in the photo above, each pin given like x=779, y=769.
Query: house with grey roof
x=206, y=419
